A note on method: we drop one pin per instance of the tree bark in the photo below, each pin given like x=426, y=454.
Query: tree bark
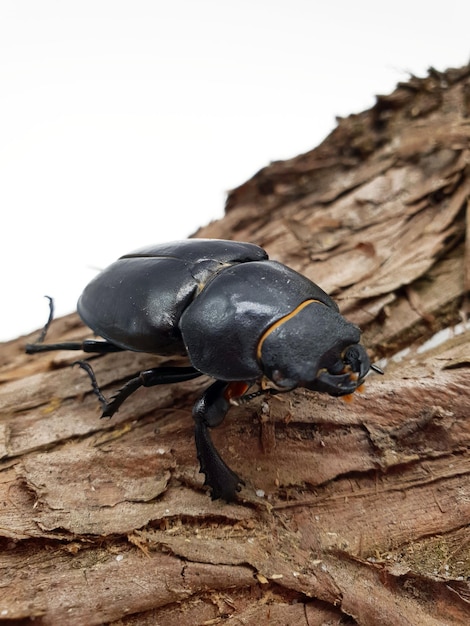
x=352, y=512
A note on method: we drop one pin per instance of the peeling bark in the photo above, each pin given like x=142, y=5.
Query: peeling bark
x=352, y=512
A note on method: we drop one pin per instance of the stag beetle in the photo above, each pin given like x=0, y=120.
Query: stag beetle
x=239, y=317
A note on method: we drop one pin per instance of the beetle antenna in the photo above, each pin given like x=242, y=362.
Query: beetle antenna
x=377, y=369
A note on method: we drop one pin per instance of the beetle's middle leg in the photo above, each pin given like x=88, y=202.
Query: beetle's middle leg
x=146, y=378
x=208, y=412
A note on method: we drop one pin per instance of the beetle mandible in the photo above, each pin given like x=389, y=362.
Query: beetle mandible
x=239, y=317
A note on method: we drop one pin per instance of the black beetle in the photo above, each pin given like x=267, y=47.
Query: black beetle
x=239, y=317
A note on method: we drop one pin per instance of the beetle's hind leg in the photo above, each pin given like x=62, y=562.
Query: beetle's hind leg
x=43, y=334
x=88, y=345
x=209, y=411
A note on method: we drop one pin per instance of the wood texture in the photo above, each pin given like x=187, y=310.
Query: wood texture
x=353, y=512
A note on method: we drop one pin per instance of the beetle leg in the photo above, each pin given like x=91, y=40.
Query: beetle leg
x=246, y=397
x=209, y=411
x=88, y=345
x=146, y=378
x=43, y=334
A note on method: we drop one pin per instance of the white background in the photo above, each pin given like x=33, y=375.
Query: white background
x=124, y=123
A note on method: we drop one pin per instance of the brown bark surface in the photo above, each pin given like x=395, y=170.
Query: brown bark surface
x=352, y=513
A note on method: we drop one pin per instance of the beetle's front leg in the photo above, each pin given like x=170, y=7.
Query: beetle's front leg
x=208, y=412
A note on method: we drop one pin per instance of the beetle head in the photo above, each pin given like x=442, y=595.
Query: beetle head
x=314, y=347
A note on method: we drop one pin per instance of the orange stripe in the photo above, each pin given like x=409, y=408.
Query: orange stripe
x=279, y=323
